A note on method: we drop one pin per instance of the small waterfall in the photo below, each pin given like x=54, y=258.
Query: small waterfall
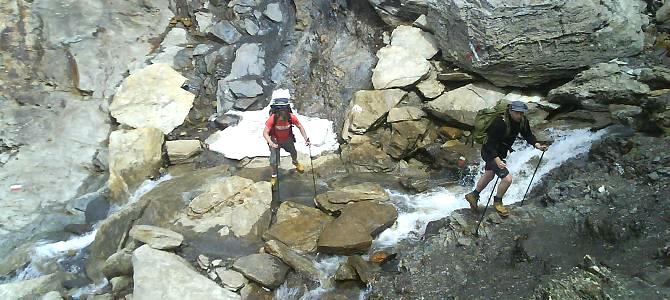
x=46, y=257
x=415, y=211
x=327, y=267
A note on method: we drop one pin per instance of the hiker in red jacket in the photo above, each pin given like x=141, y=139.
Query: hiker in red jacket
x=278, y=132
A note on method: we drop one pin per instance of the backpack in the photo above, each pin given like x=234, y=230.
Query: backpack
x=274, y=109
x=485, y=118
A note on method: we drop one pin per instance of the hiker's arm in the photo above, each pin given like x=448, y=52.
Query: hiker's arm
x=495, y=135
x=303, y=133
x=266, y=135
x=527, y=134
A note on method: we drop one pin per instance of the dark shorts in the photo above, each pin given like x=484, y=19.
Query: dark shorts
x=274, y=152
x=491, y=165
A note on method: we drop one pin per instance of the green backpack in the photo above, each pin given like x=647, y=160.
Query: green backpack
x=485, y=118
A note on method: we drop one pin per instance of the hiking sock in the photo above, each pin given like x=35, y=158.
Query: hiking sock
x=497, y=199
x=475, y=192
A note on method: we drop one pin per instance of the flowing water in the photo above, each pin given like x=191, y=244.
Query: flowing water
x=416, y=211
x=47, y=257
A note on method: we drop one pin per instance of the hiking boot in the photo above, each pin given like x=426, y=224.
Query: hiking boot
x=273, y=181
x=299, y=167
x=472, y=199
x=500, y=208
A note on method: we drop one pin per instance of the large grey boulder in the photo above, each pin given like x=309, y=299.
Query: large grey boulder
x=152, y=97
x=605, y=83
x=249, y=60
x=522, y=43
x=460, y=106
x=236, y=205
x=368, y=108
x=398, y=67
x=298, y=226
x=181, y=151
x=415, y=40
x=134, y=156
x=118, y=264
x=177, y=278
x=265, y=269
x=352, y=232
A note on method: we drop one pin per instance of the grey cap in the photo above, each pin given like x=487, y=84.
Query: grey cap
x=518, y=106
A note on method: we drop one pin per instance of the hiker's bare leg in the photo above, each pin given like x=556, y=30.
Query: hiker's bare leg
x=504, y=185
x=484, y=180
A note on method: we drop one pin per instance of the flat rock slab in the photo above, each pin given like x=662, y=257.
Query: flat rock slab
x=335, y=200
x=398, y=67
x=232, y=280
x=163, y=275
x=265, y=269
x=156, y=237
x=298, y=226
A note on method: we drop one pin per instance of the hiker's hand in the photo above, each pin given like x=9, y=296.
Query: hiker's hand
x=273, y=145
x=307, y=142
x=500, y=163
x=540, y=147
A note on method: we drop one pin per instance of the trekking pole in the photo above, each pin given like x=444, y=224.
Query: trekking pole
x=531, y=178
x=311, y=161
x=486, y=207
x=278, y=165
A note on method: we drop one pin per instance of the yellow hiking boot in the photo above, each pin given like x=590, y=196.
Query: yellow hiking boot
x=273, y=181
x=500, y=208
x=472, y=199
x=299, y=167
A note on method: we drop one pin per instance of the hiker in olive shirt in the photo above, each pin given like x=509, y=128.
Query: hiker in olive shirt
x=500, y=137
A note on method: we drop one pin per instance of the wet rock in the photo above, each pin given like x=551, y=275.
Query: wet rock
x=156, y=237
x=368, y=108
x=226, y=32
x=335, y=200
x=345, y=272
x=31, y=288
x=362, y=267
x=253, y=291
x=230, y=279
x=180, y=151
x=118, y=264
x=238, y=204
x=663, y=13
x=78, y=229
x=265, y=269
x=299, y=263
x=177, y=277
x=203, y=262
x=134, y=156
x=298, y=226
x=460, y=106
x=152, y=97
x=605, y=83
x=415, y=40
x=433, y=227
x=504, y=60
x=398, y=67
x=380, y=257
